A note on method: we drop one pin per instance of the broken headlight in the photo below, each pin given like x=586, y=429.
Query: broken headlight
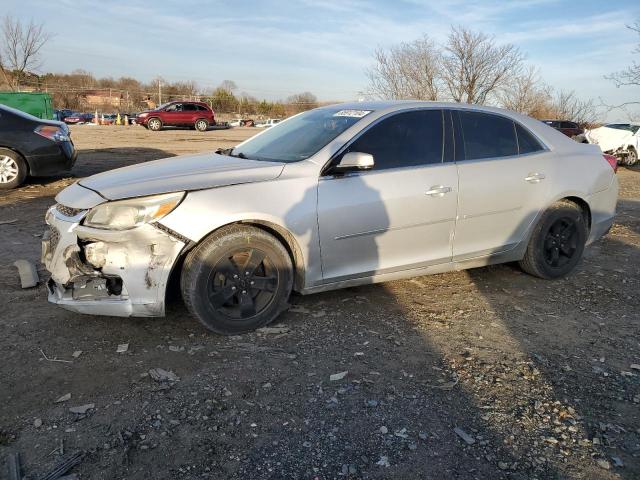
x=126, y=214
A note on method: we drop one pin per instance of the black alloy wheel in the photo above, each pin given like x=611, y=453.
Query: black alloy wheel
x=237, y=279
x=242, y=283
x=561, y=242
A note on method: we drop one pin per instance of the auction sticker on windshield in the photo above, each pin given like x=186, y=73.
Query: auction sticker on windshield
x=352, y=113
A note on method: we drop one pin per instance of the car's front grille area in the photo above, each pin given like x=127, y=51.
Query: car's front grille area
x=68, y=211
x=54, y=238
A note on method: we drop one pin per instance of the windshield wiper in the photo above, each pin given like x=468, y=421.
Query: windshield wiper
x=229, y=152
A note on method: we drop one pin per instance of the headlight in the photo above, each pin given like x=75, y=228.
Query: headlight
x=126, y=214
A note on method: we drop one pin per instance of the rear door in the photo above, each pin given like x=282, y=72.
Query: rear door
x=504, y=179
x=191, y=113
x=399, y=215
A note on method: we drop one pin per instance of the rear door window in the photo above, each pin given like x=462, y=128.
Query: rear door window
x=407, y=139
x=527, y=143
x=487, y=136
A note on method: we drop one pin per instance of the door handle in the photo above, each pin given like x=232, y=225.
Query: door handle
x=438, y=191
x=535, y=177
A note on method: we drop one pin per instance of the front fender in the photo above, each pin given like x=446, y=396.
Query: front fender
x=287, y=208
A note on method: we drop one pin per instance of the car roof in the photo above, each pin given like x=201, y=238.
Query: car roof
x=548, y=135
x=393, y=105
x=187, y=101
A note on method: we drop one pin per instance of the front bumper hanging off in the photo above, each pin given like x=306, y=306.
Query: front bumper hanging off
x=105, y=272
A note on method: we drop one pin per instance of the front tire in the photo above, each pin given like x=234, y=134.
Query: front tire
x=154, y=124
x=557, y=241
x=201, y=125
x=13, y=169
x=632, y=157
x=237, y=280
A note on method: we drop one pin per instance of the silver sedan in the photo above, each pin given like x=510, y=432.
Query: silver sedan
x=338, y=196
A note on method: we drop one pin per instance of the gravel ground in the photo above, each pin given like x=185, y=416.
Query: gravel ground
x=488, y=373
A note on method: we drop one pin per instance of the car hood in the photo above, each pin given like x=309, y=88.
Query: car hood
x=193, y=172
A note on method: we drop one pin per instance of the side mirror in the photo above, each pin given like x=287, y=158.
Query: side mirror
x=355, y=161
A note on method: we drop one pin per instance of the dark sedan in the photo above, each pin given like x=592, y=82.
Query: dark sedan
x=30, y=146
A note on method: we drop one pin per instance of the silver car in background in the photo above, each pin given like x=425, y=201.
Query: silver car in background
x=338, y=196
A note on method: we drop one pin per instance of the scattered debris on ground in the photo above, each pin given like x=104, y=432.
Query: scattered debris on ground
x=28, y=273
x=160, y=375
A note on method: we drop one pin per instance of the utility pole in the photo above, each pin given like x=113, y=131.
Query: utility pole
x=159, y=91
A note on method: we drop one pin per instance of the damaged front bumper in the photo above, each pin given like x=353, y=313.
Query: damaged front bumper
x=105, y=272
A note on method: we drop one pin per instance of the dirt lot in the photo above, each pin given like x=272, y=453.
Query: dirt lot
x=537, y=376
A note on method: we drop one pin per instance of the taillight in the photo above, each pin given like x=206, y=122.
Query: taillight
x=53, y=133
x=613, y=161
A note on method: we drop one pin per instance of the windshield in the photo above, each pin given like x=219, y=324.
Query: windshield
x=299, y=137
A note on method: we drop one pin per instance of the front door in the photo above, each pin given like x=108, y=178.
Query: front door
x=174, y=115
x=399, y=215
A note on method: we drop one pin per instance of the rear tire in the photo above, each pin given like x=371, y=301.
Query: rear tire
x=13, y=169
x=557, y=241
x=238, y=279
x=154, y=124
x=201, y=125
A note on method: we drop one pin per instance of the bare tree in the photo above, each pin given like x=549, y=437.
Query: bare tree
x=222, y=100
x=527, y=94
x=20, y=47
x=228, y=86
x=475, y=68
x=406, y=71
x=567, y=106
x=631, y=74
x=302, y=101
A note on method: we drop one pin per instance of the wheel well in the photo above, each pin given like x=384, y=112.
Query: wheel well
x=26, y=162
x=289, y=243
x=584, y=207
x=283, y=236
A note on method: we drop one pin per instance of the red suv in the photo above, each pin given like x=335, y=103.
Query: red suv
x=178, y=114
x=570, y=129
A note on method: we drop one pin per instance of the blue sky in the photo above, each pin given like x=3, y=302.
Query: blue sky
x=273, y=48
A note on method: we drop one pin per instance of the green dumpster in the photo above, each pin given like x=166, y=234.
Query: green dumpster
x=37, y=104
